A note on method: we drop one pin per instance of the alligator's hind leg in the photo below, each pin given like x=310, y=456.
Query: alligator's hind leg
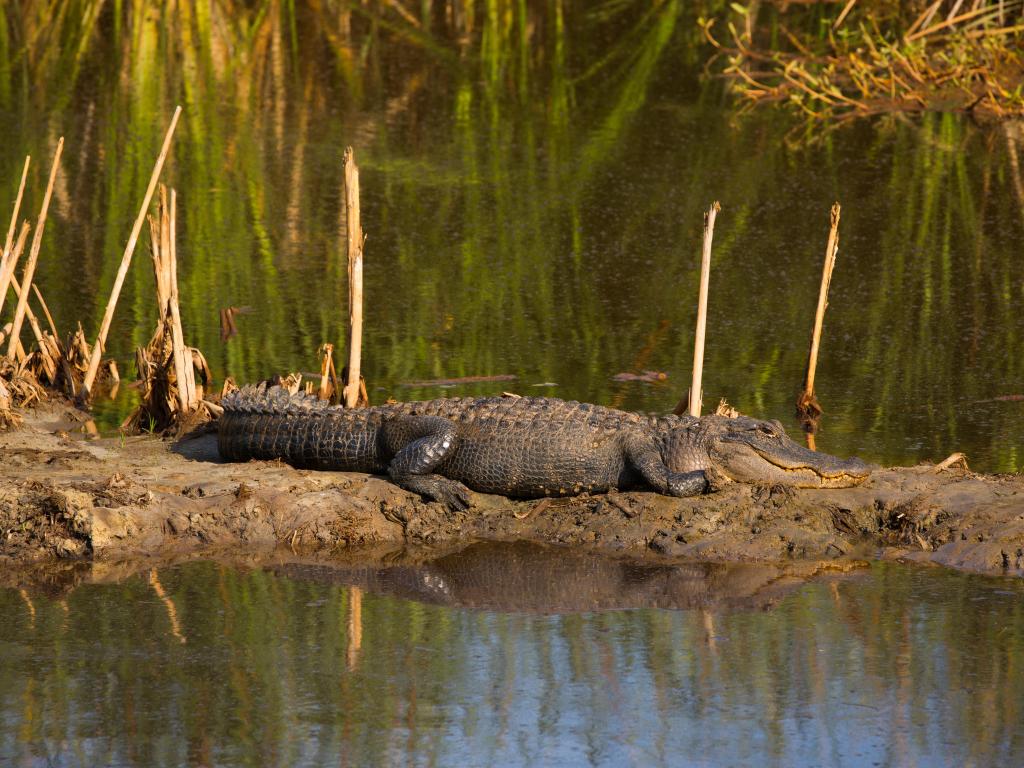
x=425, y=442
x=643, y=455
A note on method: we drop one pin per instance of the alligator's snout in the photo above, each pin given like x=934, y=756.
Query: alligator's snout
x=760, y=451
x=819, y=470
x=831, y=472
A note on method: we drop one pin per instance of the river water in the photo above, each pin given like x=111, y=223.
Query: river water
x=489, y=658
x=533, y=178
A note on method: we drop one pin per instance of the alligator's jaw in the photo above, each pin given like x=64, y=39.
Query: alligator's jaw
x=834, y=472
x=795, y=466
x=807, y=477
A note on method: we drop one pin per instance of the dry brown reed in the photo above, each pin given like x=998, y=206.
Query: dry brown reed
x=968, y=62
x=355, y=389
x=702, y=309
x=126, y=258
x=171, y=394
x=807, y=407
x=33, y=256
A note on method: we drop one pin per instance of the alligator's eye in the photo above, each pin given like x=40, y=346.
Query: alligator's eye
x=766, y=430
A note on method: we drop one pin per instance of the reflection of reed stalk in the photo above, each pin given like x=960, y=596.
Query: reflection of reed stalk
x=702, y=308
x=126, y=260
x=31, y=608
x=172, y=611
x=355, y=626
x=807, y=404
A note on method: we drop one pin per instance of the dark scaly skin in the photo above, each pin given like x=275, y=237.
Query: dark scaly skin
x=520, y=447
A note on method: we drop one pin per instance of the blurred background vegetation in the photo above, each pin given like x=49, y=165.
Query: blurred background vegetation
x=533, y=180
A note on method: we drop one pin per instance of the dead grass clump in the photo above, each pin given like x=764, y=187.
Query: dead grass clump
x=951, y=58
x=173, y=376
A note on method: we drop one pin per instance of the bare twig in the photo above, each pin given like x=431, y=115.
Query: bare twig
x=845, y=12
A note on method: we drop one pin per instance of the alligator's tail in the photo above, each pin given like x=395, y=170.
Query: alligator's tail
x=261, y=422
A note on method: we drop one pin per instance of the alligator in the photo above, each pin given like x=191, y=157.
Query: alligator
x=521, y=447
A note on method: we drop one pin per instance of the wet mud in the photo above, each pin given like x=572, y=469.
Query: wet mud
x=115, y=500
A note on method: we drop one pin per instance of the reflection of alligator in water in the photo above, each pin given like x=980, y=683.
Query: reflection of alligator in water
x=522, y=447
x=523, y=577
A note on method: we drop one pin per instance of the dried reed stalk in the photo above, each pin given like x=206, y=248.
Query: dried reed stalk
x=183, y=370
x=46, y=310
x=5, y=333
x=126, y=259
x=49, y=361
x=7, y=272
x=355, y=278
x=30, y=267
x=166, y=366
x=807, y=405
x=14, y=216
x=702, y=308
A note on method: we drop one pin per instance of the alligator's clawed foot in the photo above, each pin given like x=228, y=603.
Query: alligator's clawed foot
x=716, y=479
x=686, y=484
x=453, y=494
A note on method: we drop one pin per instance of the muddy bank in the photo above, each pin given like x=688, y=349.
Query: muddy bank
x=107, y=499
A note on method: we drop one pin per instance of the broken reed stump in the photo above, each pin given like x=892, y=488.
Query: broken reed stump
x=702, y=308
x=355, y=242
x=126, y=259
x=166, y=366
x=362, y=399
x=329, y=389
x=807, y=408
x=8, y=418
x=44, y=349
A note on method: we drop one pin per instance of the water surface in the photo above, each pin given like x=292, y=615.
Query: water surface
x=208, y=664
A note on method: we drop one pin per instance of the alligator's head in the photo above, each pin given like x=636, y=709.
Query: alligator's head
x=754, y=451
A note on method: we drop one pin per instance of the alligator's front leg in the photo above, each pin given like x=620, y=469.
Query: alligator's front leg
x=420, y=444
x=643, y=455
